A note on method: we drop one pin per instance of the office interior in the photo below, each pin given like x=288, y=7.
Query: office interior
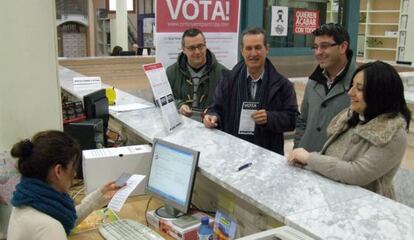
x=45, y=43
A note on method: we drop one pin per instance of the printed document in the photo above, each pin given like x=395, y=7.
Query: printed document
x=163, y=95
x=122, y=195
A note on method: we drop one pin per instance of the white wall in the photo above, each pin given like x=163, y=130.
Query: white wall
x=29, y=89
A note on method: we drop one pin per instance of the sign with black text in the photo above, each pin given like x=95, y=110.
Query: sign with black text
x=279, y=21
x=217, y=19
x=305, y=21
x=163, y=94
x=247, y=124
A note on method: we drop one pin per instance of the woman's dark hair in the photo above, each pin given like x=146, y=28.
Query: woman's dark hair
x=383, y=92
x=116, y=51
x=44, y=151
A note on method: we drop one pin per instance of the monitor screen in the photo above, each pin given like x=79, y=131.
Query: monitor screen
x=96, y=104
x=171, y=177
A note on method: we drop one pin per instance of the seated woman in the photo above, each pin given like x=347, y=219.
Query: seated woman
x=42, y=207
x=366, y=142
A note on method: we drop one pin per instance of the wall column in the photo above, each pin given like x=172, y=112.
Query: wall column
x=351, y=22
x=91, y=27
x=29, y=86
x=121, y=38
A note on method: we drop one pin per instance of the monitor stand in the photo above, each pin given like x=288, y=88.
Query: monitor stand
x=168, y=212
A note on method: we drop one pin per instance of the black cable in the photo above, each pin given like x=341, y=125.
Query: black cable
x=194, y=207
x=146, y=210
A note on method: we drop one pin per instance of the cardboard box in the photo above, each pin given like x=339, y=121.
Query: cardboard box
x=103, y=165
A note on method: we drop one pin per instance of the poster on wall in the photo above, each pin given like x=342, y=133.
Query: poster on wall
x=305, y=21
x=279, y=21
x=148, y=31
x=217, y=19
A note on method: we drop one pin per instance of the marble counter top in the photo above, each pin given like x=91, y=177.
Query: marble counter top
x=300, y=198
x=66, y=82
x=297, y=197
x=369, y=217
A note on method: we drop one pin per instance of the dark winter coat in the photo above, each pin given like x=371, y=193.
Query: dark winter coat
x=279, y=102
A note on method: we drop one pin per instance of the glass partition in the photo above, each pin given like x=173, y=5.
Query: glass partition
x=324, y=10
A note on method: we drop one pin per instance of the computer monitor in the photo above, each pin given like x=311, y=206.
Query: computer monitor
x=89, y=135
x=128, y=53
x=96, y=106
x=171, y=177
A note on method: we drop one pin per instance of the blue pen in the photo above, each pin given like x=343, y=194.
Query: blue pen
x=246, y=165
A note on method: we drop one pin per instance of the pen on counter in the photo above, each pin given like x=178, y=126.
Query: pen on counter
x=244, y=166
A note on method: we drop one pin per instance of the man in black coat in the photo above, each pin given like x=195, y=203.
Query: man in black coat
x=253, y=101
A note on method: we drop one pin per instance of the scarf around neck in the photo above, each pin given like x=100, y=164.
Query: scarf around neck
x=42, y=197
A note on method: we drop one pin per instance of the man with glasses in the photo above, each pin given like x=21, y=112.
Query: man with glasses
x=253, y=101
x=194, y=76
x=326, y=90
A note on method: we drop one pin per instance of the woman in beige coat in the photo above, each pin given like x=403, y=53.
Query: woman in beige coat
x=366, y=142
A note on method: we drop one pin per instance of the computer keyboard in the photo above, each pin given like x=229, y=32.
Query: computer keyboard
x=126, y=229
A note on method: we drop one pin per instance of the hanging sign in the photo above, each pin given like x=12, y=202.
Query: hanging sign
x=279, y=21
x=305, y=21
x=217, y=19
x=163, y=95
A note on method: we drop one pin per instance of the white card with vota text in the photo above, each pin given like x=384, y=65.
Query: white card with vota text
x=247, y=124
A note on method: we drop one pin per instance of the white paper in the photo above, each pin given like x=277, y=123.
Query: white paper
x=87, y=82
x=158, y=80
x=128, y=107
x=247, y=124
x=401, y=53
x=402, y=38
x=107, y=152
x=169, y=112
x=404, y=22
x=279, y=21
x=122, y=195
x=404, y=8
x=148, y=25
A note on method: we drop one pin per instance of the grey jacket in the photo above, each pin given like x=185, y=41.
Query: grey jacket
x=372, y=157
x=318, y=108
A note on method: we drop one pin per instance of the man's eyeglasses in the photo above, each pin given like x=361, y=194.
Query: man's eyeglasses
x=323, y=46
x=200, y=47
